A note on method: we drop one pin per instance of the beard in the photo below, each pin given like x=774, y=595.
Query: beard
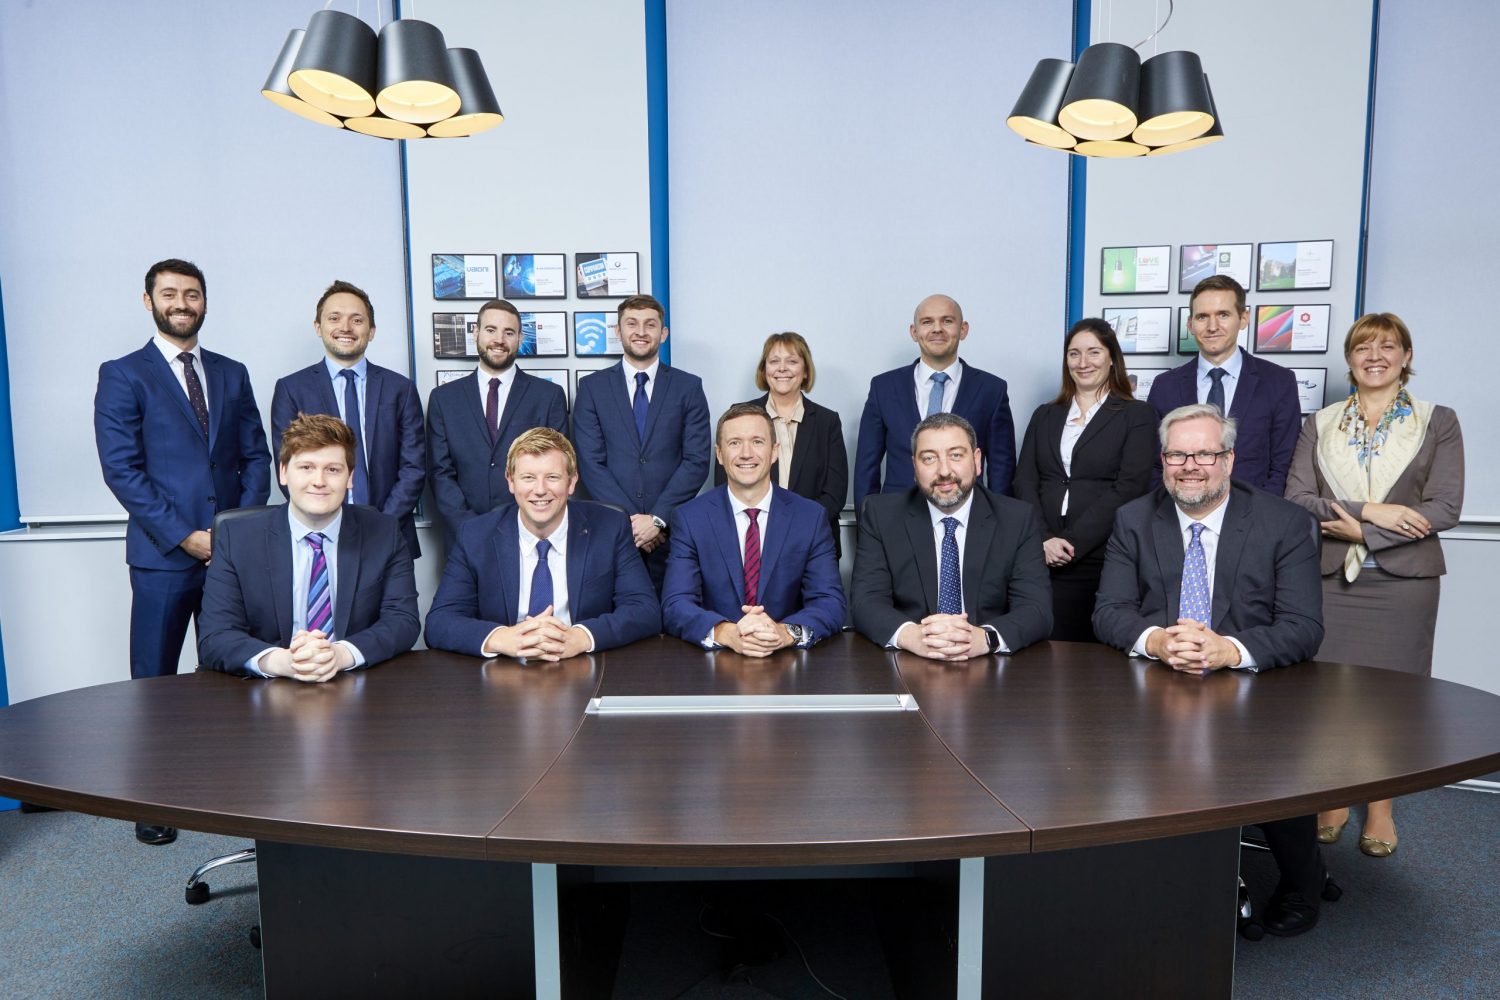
x=1206, y=500
x=495, y=361
x=950, y=502
x=164, y=324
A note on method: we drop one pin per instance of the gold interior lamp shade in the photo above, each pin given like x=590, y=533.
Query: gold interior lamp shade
x=478, y=108
x=1034, y=117
x=1100, y=103
x=277, y=91
x=1214, y=133
x=335, y=66
x=414, y=81
x=1111, y=148
x=385, y=128
x=1174, y=104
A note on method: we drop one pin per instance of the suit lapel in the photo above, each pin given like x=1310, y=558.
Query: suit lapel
x=1187, y=386
x=726, y=536
x=162, y=371
x=968, y=388
x=772, y=542
x=979, y=538
x=1054, y=420
x=1244, y=393
x=507, y=548
x=278, y=542
x=579, y=537
x=373, y=398
x=919, y=534
x=1167, y=536
x=1108, y=410
x=1236, y=531
x=659, y=393
x=513, y=401
x=908, y=395
x=619, y=396
x=217, y=410
x=347, y=582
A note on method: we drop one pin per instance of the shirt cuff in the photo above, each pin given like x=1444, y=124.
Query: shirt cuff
x=590, y=647
x=1247, y=662
x=485, y=652
x=1139, y=649
x=891, y=643
x=359, y=658
x=253, y=664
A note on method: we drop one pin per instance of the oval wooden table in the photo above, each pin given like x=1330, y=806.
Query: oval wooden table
x=421, y=807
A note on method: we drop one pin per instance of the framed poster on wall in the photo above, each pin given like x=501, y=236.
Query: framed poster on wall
x=1135, y=270
x=607, y=275
x=1141, y=379
x=595, y=335
x=453, y=335
x=463, y=276
x=1311, y=384
x=1292, y=267
x=1186, y=344
x=558, y=377
x=1142, y=331
x=535, y=275
x=1296, y=329
x=446, y=375
x=1196, y=261
x=544, y=335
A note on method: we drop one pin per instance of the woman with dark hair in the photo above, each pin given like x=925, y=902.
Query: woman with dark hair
x=813, y=461
x=1085, y=453
x=1384, y=473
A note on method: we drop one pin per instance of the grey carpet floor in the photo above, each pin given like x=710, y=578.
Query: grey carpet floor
x=86, y=911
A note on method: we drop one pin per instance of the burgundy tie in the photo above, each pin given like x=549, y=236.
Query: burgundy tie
x=752, y=557
x=195, y=391
x=492, y=409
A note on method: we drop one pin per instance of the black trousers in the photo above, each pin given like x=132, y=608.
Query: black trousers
x=1294, y=845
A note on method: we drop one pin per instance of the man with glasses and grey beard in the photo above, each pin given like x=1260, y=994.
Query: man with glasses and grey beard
x=1207, y=573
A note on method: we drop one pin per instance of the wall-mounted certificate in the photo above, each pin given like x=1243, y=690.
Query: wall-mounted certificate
x=1310, y=387
x=1186, y=344
x=595, y=336
x=544, y=335
x=1291, y=267
x=607, y=275
x=1141, y=379
x=453, y=335
x=446, y=375
x=463, y=275
x=1142, y=331
x=1291, y=329
x=558, y=377
x=535, y=275
x=580, y=373
x=1197, y=261
x=1133, y=270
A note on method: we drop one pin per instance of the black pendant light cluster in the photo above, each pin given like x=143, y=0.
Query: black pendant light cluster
x=404, y=83
x=1112, y=104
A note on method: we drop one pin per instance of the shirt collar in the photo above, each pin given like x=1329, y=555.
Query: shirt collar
x=795, y=418
x=1213, y=522
x=926, y=371
x=360, y=368
x=170, y=350
x=1231, y=365
x=558, y=538
x=736, y=507
x=961, y=512
x=650, y=371
x=300, y=531
x=484, y=377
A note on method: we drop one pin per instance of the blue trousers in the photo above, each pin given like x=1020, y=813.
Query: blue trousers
x=162, y=601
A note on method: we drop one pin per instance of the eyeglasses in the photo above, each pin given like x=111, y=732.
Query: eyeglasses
x=1205, y=459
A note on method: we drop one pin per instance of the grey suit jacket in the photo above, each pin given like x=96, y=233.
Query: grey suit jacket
x=1432, y=485
x=1267, y=591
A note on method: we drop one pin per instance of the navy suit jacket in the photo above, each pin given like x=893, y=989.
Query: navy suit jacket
x=156, y=461
x=393, y=434
x=467, y=471
x=1005, y=581
x=1265, y=408
x=891, y=415
x=247, y=598
x=799, y=577
x=1267, y=586
x=650, y=477
x=609, y=592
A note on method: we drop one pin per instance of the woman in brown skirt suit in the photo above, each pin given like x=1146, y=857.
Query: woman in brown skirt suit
x=1384, y=473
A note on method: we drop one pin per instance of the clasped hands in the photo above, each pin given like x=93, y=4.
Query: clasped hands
x=646, y=534
x=1192, y=647
x=1058, y=551
x=943, y=637
x=756, y=634
x=311, y=657
x=1396, y=518
x=540, y=637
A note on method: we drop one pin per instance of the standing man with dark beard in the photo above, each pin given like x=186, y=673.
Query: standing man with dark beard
x=180, y=439
x=948, y=569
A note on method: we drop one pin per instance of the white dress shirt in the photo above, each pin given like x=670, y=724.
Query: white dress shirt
x=361, y=370
x=557, y=565
x=1073, y=428
x=170, y=351
x=1213, y=528
x=302, y=562
x=923, y=376
x=1232, y=367
x=650, y=371
x=507, y=379
x=960, y=535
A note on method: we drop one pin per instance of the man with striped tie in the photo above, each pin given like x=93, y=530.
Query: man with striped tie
x=751, y=565
x=313, y=588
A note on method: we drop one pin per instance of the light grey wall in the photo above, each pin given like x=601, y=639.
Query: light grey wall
x=136, y=132
x=834, y=163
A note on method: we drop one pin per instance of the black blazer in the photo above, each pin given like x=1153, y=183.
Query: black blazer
x=820, y=464
x=1111, y=466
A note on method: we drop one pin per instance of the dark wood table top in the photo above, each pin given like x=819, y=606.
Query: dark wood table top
x=1060, y=746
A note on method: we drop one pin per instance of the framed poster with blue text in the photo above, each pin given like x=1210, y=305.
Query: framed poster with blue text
x=534, y=275
x=1135, y=270
x=1291, y=329
x=1142, y=331
x=1292, y=267
x=1311, y=383
x=558, y=377
x=453, y=335
x=1141, y=379
x=607, y=275
x=544, y=335
x=463, y=276
x=1186, y=344
x=595, y=336
x=1196, y=261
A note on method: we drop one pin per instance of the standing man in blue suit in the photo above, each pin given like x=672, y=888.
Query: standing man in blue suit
x=313, y=588
x=938, y=382
x=380, y=406
x=751, y=565
x=543, y=578
x=1261, y=396
x=642, y=432
x=180, y=439
x=472, y=421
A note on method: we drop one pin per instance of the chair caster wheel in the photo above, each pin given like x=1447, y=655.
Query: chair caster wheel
x=255, y=936
x=196, y=894
x=1331, y=891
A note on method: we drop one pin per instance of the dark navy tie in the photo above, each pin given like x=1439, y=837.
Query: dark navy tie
x=640, y=404
x=1216, y=391
x=361, y=487
x=950, y=589
x=541, y=581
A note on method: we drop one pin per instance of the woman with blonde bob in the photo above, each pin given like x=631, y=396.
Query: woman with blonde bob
x=1384, y=473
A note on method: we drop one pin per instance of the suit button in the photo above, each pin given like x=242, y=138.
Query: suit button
x=643, y=461
x=637, y=495
x=213, y=465
x=492, y=465
x=213, y=499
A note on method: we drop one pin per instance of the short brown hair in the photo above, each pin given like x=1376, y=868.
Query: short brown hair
x=314, y=432
x=1219, y=283
x=500, y=304
x=1371, y=325
x=351, y=289
x=743, y=410
x=641, y=302
x=539, y=441
x=792, y=342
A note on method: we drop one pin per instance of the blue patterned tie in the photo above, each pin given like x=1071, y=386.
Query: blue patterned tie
x=361, y=486
x=1216, y=391
x=541, y=581
x=640, y=404
x=319, y=594
x=1196, y=602
x=935, y=398
x=950, y=589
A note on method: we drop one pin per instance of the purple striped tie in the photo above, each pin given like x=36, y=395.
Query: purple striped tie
x=752, y=557
x=319, y=595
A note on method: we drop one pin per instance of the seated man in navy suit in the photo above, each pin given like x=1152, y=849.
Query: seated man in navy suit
x=751, y=565
x=544, y=577
x=380, y=406
x=937, y=382
x=472, y=421
x=314, y=588
x=1260, y=395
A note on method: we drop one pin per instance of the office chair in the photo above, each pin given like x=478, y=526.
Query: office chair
x=198, y=891
x=1246, y=922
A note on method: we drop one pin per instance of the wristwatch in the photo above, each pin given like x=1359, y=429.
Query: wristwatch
x=659, y=522
x=992, y=638
x=801, y=636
